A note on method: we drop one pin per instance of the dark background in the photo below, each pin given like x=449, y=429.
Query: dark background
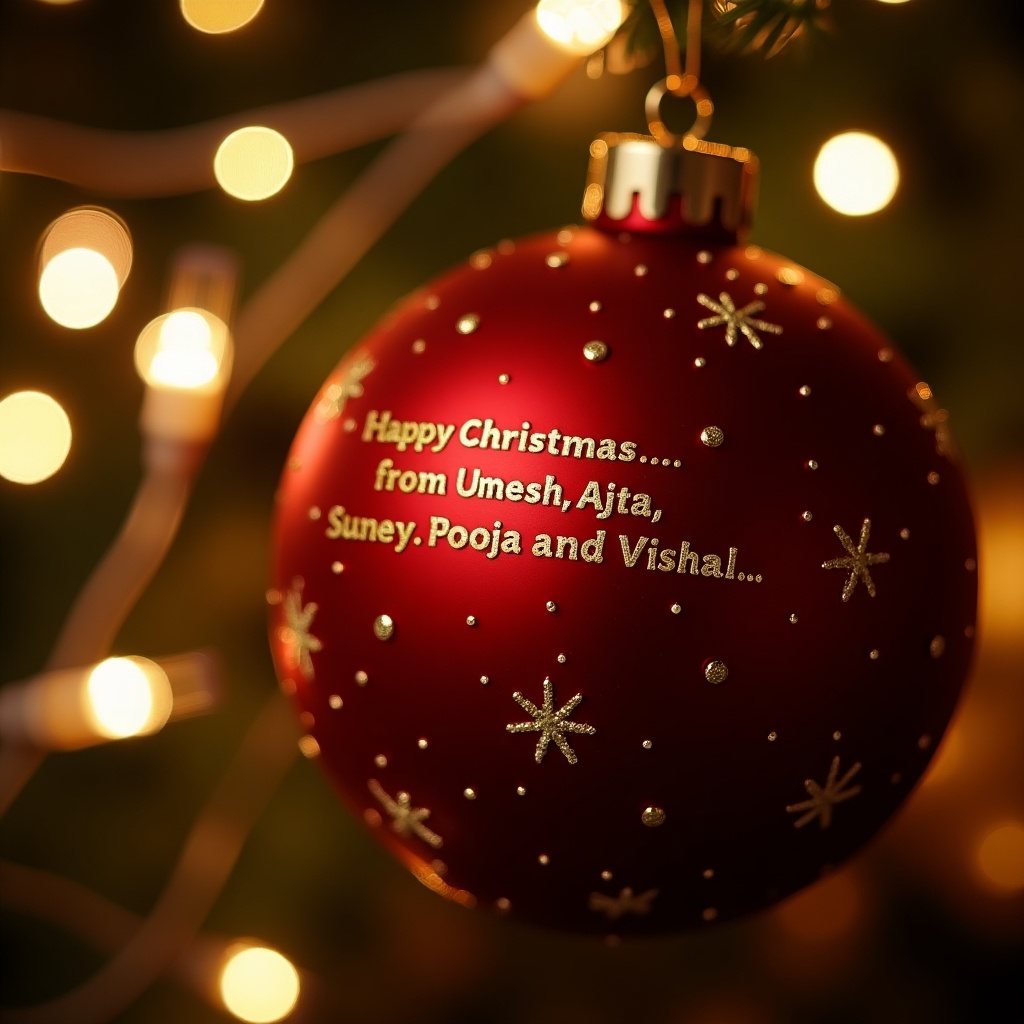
x=910, y=931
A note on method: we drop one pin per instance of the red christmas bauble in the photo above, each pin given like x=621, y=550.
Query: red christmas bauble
x=625, y=581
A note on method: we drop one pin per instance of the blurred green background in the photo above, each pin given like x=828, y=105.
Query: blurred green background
x=909, y=932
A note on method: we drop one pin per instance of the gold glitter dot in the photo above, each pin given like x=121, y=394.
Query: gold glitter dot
x=432, y=302
x=314, y=513
x=335, y=701
x=503, y=378
x=823, y=323
x=757, y=578
x=422, y=744
x=485, y=680
x=704, y=256
x=716, y=672
x=372, y=817
x=643, y=458
x=772, y=736
x=469, y=794
x=647, y=744
x=885, y=355
x=874, y=654
x=826, y=296
x=544, y=859
x=699, y=362
x=467, y=323
x=742, y=576
x=924, y=742
x=606, y=876
x=383, y=627
x=904, y=534
x=308, y=746
x=970, y=564
x=709, y=913
x=760, y=288
x=361, y=678
x=708, y=873
x=350, y=425
x=804, y=390
x=520, y=790
x=676, y=608
x=380, y=761
x=793, y=619
x=752, y=252
x=668, y=314
x=712, y=436
x=595, y=351
x=561, y=659
x=470, y=620
x=551, y=606
x=677, y=463
x=806, y=516
x=837, y=735
x=288, y=687
x=811, y=464
x=933, y=478
x=640, y=270
x=556, y=259
x=937, y=647
x=480, y=260
x=503, y=904
x=788, y=276
x=652, y=817
x=655, y=461
x=337, y=568
x=595, y=307
x=731, y=275
x=566, y=234
x=878, y=429
x=274, y=596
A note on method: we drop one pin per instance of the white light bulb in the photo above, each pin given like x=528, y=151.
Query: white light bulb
x=856, y=173
x=581, y=26
x=259, y=985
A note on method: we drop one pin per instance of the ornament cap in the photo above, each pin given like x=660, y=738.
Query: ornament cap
x=634, y=183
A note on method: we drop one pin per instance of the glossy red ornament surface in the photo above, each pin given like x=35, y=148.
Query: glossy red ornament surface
x=745, y=586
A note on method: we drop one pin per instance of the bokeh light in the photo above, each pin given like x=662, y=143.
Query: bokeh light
x=259, y=985
x=856, y=173
x=1001, y=858
x=217, y=16
x=580, y=26
x=35, y=437
x=128, y=697
x=183, y=349
x=253, y=163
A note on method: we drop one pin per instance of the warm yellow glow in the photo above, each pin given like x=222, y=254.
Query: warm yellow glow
x=216, y=16
x=35, y=437
x=259, y=985
x=78, y=288
x=1001, y=857
x=856, y=173
x=183, y=349
x=253, y=163
x=893, y=1
x=127, y=697
x=580, y=26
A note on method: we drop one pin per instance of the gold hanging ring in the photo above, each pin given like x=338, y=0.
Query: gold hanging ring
x=679, y=87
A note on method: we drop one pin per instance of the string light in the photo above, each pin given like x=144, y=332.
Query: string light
x=856, y=173
x=258, y=984
x=581, y=26
x=253, y=163
x=219, y=16
x=84, y=259
x=1000, y=858
x=35, y=437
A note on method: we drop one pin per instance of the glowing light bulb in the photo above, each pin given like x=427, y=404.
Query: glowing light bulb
x=184, y=349
x=259, y=985
x=84, y=259
x=127, y=697
x=253, y=163
x=856, y=173
x=216, y=16
x=35, y=437
x=1001, y=858
x=580, y=26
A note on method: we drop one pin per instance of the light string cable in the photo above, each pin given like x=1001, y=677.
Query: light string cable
x=523, y=66
x=679, y=81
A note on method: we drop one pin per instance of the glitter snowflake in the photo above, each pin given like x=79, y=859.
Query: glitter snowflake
x=824, y=798
x=614, y=907
x=858, y=561
x=551, y=724
x=295, y=633
x=405, y=819
x=335, y=396
x=733, y=319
